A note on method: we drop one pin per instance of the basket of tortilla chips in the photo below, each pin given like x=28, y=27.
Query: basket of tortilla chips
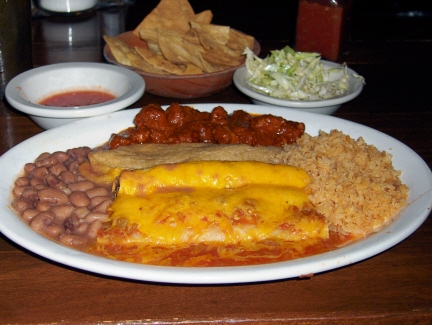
x=180, y=53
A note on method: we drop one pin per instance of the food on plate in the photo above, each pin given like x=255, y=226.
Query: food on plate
x=209, y=175
x=176, y=40
x=353, y=183
x=292, y=75
x=180, y=123
x=103, y=166
x=210, y=204
x=77, y=98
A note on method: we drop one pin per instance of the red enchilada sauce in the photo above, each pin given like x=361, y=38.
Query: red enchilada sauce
x=322, y=27
x=181, y=123
x=77, y=98
x=207, y=255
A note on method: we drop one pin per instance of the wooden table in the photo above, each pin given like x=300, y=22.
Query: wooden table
x=393, y=287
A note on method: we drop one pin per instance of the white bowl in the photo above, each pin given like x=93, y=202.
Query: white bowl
x=325, y=106
x=26, y=90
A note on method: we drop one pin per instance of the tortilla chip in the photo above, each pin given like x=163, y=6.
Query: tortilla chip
x=168, y=14
x=192, y=69
x=151, y=38
x=214, y=49
x=148, y=35
x=175, y=49
x=211, y=36
x=126, y=55
x=221, y=59
x=159, y=62
x=204, y=17
x=239, y=41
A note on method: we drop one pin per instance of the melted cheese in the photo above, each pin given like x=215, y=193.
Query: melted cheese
x=224, y=216
x=210, y=174
x=211, y=213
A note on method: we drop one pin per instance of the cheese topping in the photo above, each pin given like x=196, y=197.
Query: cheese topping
x=197, y=213
x=224, y=216
x=210, y=174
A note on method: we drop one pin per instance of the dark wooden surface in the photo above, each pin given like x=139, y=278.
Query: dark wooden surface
x=394, y=287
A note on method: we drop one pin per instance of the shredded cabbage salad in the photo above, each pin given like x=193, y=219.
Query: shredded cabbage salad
x=292, y=75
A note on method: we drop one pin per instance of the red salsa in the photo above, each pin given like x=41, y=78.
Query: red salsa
x=77, y=98
x=321, y=28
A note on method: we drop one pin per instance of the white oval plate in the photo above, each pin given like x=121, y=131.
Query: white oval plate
x=96, y=131
x=354, y=89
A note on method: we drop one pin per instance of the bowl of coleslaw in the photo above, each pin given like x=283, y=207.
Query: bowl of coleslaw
x=297, y=80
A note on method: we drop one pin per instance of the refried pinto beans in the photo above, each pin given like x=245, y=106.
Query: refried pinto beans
x=59, y=203
x=179, y=124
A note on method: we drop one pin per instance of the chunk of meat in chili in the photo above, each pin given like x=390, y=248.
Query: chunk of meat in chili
x=179, y=123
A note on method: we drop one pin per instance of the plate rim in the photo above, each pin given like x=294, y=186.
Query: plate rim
x=332, y=260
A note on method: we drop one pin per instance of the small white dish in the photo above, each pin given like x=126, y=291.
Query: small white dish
x=26, y=90
x=325, y=106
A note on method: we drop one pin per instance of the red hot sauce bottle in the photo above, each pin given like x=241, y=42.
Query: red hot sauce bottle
x=322, y=27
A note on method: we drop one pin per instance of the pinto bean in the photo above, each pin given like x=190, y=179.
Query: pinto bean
x=62, y=211
x=79, y=199
x=31, y=194
x=95, y=201
x=19, y=190
x=74, y=167
x=48, y=162
x=54, y=182
x=42, y=156
x=71, y=223
x=87, y=150
x=96, y=216
x=78, y=154
x=93, y=229
x=29, y=214
x=102, y=207
x=57, y=169
x=81, y=186
x=42, y=220
x=39, y=187
x=66, y=191
x=37, y=181
x=22, y=204
x=39, y=172
x=22, y=181
x=61, y=156
x=67, y=177
x=72, y=240
x=43, y=206
x=29, y=167
x=81, y=229
x=54, y=230
x=53, y=196
x=81, y=212
x=97, y=191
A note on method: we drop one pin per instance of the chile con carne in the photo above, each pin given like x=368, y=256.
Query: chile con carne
x=179, y=123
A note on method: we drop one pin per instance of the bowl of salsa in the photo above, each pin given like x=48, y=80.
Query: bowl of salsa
x=57, y=94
